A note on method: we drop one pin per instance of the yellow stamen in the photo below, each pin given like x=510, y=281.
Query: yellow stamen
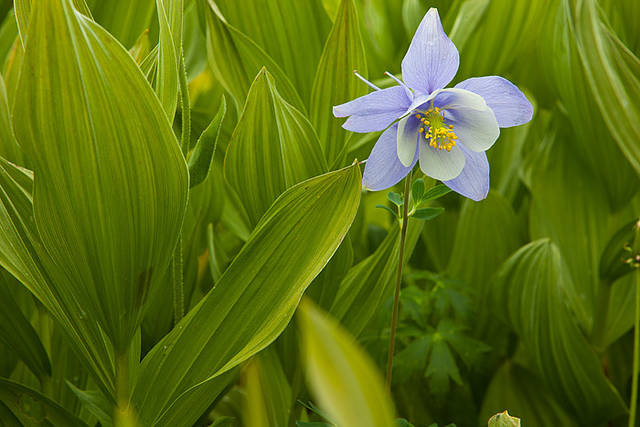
x=436, y=130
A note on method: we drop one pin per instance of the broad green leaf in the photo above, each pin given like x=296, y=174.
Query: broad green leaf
x=124, y=19
x=517, y=389
x=334, y=82
x=29, y=405
x=111, y=183
x=17, y=332
x=344, y=380
x=8, y=36
x=201, y=158
x=290, y=245
x=290, y=31
x=235, y=59
x=367, y=284
x=9, y=148
x=613, y=73
x=19, y=255
x=486, y=235
x=95, y=403
x=22, y=9
x=325, y=287
x=272, y=148
x=169, y=53
x=269, y=396
x=574, y=53
x=533, y=291
x=560, y=182
x=467, y=19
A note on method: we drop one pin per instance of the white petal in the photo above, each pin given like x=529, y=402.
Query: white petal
x=441, y=164
x=407, y=140
x=473, y=121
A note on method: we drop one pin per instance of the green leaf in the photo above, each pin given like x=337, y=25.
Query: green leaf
x=518, y=389
x=29, y=405
x=112, y=168
x=334, y=82
x=169, y=54
x=272, y=148
x=269, y=395
x=291, y=32
x=343, y=379
x=242, y=60
x=388, y=209
x=427, y=214
x=9, y=148
x=94, y=402
x=19, y=255
x=17, y=332
x=124, y=19
x=417, y=190
x=442, y=367
x=436, y=192
x=613, y=73
x=395, y=198
x=533, y=291
x=370, y=282
x=291, y=244
x=201, y=158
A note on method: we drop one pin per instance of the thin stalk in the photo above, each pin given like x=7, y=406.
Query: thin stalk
x=396, y=297
x=185, y=103
x=636, y=357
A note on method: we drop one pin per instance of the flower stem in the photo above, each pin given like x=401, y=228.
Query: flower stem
x=124, y=415
x=636, y=356
x=396, y=297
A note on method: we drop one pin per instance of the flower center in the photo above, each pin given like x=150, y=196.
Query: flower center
x=438, y=133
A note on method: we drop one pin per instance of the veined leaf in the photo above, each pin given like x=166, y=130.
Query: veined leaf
x=124, y=19
x=613, y=72
x=290, y=31
x=9, y=148
x=111, y=183
x=517, y=389
x=596, y=130
x=368, y=283
x=17, y=332
x=290, y=245
x=334, y=82
x=344, y=380
x=272, y=148
x=201, y=157
x=533, y=291
x=169, y=53
x=268, y=393
x=19, y=256
x=235, y=59
x=28, y=405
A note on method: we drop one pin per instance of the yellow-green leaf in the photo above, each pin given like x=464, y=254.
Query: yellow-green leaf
x=343, y=378
x=334, y=82
x=272, y=148
x=291, y=244
x=110, y=183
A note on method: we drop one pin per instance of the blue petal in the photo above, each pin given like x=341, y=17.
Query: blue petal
x=508, y=103
x=432, y=59
x=473, y=181
x=383, y=168
x=375, y=111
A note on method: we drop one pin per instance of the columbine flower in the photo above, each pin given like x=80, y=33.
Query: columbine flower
x=448, y=130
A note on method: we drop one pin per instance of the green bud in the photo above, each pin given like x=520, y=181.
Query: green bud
x=503, y=419
x=622, y=254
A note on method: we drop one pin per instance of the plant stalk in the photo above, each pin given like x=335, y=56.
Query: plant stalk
x=636, y=356
x=396, y=297
x=124, y=415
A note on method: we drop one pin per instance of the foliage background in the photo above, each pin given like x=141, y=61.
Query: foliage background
x=506, y=303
